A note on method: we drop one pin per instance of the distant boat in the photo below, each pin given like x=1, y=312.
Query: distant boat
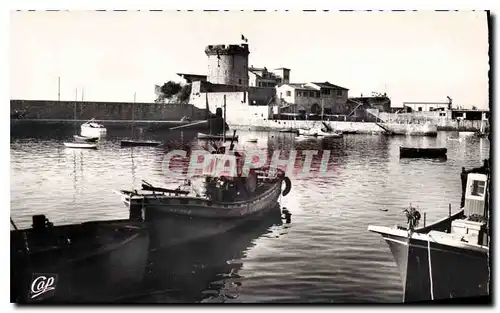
x=139, y=143
x=86, y=139
x=203, y=136
x=80, y=145
x=407, y=152
x=289, y=130
x=454, y=139
x=252, y=140
x=318, y=132
x=92, y=129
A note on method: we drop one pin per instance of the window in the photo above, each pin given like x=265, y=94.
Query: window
x=325, y=91
x=442, y=114
x=420, y=108
x=239, y=81
x=288, y=93
x=477, y=188
x=339, y=93
x=317, y=94
x=431, y=108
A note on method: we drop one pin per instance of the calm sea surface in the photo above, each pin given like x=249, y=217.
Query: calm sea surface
x=325, y=254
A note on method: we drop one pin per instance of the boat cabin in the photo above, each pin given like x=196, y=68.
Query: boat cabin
x=474, y=227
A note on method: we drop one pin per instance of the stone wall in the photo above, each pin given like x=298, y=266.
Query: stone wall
x=442, y=122
x=66, y=110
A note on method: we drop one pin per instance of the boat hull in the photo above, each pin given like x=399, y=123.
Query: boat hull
x=452, y=270
x=177, y=220
x=136, y=143
x=422, y=152
x=83, y=275
x=75, y=145
x=456, y=272
x=174, y=230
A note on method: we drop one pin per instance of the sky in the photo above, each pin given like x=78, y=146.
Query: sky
x=412, y=56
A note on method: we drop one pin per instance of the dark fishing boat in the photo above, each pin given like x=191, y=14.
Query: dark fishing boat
x=139, y=143
x=90, y=262
x=450, y=258
x=407, y=152
x=211, y=204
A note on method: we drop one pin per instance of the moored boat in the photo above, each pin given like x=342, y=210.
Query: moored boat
x=409, y=152
x=139, y=143
x=318, y=132
x=212, y=204
x=449, y=258
x=85, y=139
x=92, y=129
x=80, y=145
x=90, y=262
x=227, y=137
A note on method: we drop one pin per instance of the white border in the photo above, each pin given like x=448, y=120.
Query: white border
x=184, y=5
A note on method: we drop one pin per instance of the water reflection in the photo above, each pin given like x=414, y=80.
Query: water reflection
x=206, y=270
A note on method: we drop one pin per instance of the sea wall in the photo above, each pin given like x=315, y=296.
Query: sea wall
x=358, y=127
x=85, y=110
x=441, y=119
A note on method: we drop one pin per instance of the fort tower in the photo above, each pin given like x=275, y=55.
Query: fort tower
x=227, y=64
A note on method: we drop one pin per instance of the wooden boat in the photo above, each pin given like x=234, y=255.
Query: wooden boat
x=85, y=139
x=449, y=258
x=203, y=136
x=212, y=204
x=90, y=262
x=80, y=145
x=407, y=152
x=139, y=143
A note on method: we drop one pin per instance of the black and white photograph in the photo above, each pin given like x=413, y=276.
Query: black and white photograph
x=250, y=156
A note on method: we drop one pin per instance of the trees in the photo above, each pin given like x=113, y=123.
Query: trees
x=174, y=92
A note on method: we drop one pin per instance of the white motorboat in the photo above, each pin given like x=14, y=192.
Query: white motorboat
x=92, y=129
x=80, y=145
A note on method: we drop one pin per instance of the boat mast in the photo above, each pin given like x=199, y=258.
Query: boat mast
x=74, y=109
x=133, y=118
x=224, y=122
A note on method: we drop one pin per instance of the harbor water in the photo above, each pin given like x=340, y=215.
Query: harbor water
x=325, y=254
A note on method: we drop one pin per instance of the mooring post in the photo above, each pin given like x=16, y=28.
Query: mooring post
x=449, y=209
x=424, y=218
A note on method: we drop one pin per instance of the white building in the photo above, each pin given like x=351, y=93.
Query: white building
x=314, y=97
